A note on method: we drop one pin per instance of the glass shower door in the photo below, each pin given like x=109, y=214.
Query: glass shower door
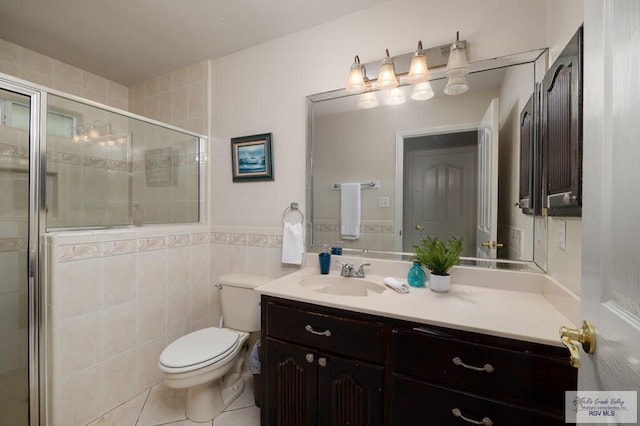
x=14, y=259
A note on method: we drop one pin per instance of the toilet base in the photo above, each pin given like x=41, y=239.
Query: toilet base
x=206, y=401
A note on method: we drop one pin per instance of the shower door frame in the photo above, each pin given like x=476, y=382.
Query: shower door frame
x=35, y=246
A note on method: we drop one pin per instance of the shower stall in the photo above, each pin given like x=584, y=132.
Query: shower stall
x=71, y=164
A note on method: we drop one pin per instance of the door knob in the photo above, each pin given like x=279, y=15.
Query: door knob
x=419, y=228
x=492, y=244
x=586, y=335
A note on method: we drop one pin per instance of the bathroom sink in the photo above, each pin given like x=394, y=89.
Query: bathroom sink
x=341, y=286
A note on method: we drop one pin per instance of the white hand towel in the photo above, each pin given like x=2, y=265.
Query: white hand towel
x=350, y=211
x=292, y=244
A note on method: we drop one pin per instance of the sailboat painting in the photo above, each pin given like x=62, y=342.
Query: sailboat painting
x=251, y=158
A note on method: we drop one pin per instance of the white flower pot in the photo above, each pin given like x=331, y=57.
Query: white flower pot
x=440, y=283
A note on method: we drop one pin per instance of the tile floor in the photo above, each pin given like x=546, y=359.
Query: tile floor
x=161, y=405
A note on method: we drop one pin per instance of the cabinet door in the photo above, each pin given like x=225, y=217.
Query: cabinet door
x=291, y=384
x=563, y=131
x=350, y=392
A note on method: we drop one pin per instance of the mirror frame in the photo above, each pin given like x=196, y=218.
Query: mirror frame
x=538, y=58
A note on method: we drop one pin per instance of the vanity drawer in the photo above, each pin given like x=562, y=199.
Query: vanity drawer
x=419, y=403
x=336, y=334
x=521, y=377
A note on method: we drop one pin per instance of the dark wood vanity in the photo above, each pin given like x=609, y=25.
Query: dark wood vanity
x=327, y=366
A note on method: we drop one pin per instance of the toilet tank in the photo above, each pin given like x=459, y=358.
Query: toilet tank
x=240, y=302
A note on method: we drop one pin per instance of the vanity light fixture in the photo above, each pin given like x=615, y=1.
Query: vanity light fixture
x=395, y=96
x=422, y=92
x=355, y=81
x=457, y=68
x=368, y=100
x=418, y=71
x=448, y=59
x=387, y=75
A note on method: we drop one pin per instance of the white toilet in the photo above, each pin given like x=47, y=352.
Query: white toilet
x=209, y=361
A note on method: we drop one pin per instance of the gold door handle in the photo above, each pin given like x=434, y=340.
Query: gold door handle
x=492, y=244
x=586, y=335
x=419, y=228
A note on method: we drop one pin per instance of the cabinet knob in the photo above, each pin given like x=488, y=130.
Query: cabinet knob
x=309, y=358
x=486, y=421
x=322, y=362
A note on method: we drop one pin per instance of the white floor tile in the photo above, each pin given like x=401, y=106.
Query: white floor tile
x=126, y=414
x=164, y=405
x=243, y=417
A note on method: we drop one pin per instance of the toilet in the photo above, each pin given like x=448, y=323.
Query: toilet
x=208, y=362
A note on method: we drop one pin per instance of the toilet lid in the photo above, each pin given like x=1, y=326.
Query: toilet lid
x=206, y=345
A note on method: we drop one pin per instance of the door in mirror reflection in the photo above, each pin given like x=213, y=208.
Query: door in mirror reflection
x=440, y=189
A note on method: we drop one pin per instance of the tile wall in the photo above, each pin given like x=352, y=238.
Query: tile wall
x=117, y=298
x=40, y=69
x=178, y=98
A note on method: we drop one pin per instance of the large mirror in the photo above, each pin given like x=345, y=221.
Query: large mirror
x=447, y=166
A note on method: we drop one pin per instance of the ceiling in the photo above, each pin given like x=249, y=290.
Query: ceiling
x=128, y=41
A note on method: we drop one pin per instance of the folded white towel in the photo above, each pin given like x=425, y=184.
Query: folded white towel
x=350, y=211
x=292, y=244
x=396, y=285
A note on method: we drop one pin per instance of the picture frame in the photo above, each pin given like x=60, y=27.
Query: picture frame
x=159, y=167
x=251, y=158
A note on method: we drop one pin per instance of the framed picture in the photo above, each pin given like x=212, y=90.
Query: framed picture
x=159, y=167
x=251, y=158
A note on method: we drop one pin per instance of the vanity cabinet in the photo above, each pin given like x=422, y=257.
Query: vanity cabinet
x=448, y=375
x=327, y=366
x=321, y=369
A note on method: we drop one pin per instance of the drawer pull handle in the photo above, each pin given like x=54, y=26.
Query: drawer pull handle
x=487, y=367
x=484, y=422
x=319, y=333
x=322, y=362
x=309, y=358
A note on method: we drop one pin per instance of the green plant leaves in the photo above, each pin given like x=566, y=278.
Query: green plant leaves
x=438, y=257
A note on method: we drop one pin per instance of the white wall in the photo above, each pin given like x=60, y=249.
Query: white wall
x=263, y=89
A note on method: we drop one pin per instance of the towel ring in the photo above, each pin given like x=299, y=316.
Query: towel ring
x=293, y=208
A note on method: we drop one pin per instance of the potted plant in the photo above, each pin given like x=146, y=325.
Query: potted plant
x=439, y=258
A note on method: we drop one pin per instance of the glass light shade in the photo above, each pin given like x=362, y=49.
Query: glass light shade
x=418, y=71
x=395, y=96
x=456, y=86
x=457, y=65
x=368, y=100
x=387, y=75
x=422, y=92
x=355, y=81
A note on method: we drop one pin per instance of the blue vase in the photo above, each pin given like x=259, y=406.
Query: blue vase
x=416, y=276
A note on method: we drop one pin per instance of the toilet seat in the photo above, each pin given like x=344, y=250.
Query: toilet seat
x=199, y=349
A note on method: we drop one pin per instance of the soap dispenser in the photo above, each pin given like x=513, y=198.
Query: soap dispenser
x=416, y=276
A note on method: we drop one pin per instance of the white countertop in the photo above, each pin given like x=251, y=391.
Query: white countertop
x=515, y=308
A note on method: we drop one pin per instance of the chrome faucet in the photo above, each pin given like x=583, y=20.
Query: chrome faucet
x=360, y=271
x=348, y=270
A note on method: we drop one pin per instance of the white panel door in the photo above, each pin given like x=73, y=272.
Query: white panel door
x=610, y=293
x=487, y=215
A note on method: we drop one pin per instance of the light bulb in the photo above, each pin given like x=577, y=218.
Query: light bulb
x=387, y=75
x=368, y=100
x=422, y=92
x=395, y=96
x=355, y=81
x=418, y=71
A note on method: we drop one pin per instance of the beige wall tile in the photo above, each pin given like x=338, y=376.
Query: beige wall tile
x=33, y=61
x=67, y=73
x=152, y=316
x=165, y=83
x=118, y=386
x=180, y=78
x=148, y=371
x=9, y=52
x=120, y=329
x=120, y=274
